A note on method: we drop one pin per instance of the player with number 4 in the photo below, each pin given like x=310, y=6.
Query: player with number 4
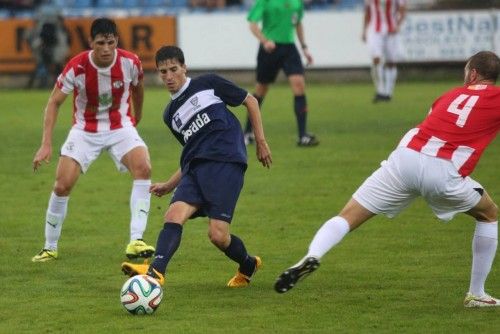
x=434, y=161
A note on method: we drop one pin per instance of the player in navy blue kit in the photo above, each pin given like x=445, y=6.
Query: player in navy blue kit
x=213, y=163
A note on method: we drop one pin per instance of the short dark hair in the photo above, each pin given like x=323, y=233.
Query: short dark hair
x=169, y=52
x=103, y=26
x=486, y=63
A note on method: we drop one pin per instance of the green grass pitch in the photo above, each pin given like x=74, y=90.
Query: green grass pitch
x=405, y=275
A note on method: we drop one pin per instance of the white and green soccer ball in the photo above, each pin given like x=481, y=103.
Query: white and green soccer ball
x=141, y=294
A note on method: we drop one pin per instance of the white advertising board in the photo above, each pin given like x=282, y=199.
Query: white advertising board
x=224, y=41
x=449, y=36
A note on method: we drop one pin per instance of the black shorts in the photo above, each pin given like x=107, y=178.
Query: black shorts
x=214, y=186
x=285, y=56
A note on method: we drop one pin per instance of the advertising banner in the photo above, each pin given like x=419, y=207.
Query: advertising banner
x=141, y=35
x=449, y=36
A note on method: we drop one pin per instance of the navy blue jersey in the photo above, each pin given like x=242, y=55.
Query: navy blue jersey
x=200, y=120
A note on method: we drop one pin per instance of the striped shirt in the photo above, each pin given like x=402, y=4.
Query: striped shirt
x=101, y=96
x=383, y=14
x=459, y=127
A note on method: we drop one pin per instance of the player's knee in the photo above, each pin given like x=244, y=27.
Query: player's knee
x=261, y=90
x=214, y=236
x=488, y=214
x=146, y=171
x=174, y=217
x=298, y=85
x=62, y=189
x=218, y=238
x=494, y=212
x=299, y=90
x=142, y=171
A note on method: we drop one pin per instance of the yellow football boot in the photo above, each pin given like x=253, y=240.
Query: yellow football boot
x=138, y=248
x=45, y=255
x=133, y=269
x=240, y=280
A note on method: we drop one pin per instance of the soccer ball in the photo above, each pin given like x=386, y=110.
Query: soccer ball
x=141, y=294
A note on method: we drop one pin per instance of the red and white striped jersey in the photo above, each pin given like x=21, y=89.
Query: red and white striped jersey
x=459, y=127
x=383, y=14
x=101, y=96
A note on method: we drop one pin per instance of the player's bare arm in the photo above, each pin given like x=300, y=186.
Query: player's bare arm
x=137, y=93
x=263, y=151
x=366, y=20
x=162, y=188
x=401, y=16
x=44, y=153
x=268, y=45
x=305, y=50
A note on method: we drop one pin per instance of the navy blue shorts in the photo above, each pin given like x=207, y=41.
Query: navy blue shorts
x=285, y=56
x=214, y=186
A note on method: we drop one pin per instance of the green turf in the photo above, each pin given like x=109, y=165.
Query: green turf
x=405, y=275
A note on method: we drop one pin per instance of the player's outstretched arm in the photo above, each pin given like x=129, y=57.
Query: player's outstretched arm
x=44, y=153
x=137, y=94
x=263, y=151
x=161, y=188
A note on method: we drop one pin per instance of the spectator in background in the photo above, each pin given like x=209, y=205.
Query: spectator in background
x=230, y=3
x=61, y=51
x=381, y=24
x=207, y=4
x=16, y=6
x=49, y=42
x=277, y=51
x=311, y=4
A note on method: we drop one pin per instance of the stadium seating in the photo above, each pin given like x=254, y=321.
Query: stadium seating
x=78, y=3
x=162, y=7
x=155, y=3
x=349, y=4
x=179, y=3
x=130, y=3
x=106, y=4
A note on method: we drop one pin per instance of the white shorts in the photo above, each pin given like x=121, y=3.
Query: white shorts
x=383, y=46
x=407, y=174
x=85, y=147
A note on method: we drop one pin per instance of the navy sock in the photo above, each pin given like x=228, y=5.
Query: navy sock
x=248, y=125
x=237, y=252
x=169, y=240
x=300, y=108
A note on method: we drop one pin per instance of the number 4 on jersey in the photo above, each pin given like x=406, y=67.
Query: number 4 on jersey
x=463, y=112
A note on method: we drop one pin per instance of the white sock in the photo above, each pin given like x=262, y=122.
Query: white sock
x=391, y=74
x=377, y=73
x=484, y=247
x=328, y=236
x=54, y=218
x=140, y=199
